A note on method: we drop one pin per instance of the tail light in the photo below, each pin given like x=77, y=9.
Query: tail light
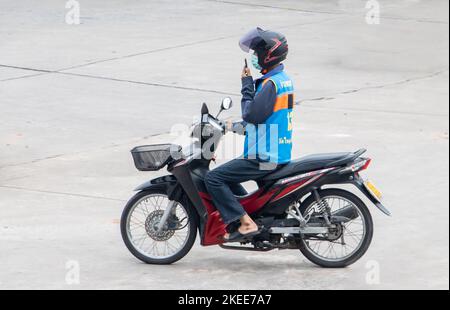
x=358, y=166
x=366, y=164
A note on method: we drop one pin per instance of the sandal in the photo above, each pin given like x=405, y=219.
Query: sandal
x=237, y=236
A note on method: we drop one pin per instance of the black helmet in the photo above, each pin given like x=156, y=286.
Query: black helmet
x=270, y=46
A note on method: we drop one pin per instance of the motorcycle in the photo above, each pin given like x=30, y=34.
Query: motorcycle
x=331, y=227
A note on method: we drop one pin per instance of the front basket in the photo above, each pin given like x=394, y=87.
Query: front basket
x=153, y=157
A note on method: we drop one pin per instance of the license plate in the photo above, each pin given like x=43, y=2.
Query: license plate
x=373, y=190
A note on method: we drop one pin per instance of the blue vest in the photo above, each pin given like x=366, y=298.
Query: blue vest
x=272, y=141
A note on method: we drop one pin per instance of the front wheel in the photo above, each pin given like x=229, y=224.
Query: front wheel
x=350, y=240
x=139, y=227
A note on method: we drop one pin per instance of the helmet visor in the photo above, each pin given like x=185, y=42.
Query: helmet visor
x=248, y=41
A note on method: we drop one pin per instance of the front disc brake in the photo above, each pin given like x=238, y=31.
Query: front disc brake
x=151, y=227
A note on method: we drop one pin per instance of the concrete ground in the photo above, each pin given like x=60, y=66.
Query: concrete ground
x=74, y=99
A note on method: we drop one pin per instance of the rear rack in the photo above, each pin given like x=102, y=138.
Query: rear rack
x=349, y=158
x=359, y=152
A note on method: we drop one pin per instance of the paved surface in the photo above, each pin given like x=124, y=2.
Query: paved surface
x=75, y=98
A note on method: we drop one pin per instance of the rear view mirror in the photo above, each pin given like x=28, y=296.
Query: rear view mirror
x=227, y=103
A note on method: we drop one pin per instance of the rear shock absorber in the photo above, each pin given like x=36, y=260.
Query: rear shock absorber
x=322, y=206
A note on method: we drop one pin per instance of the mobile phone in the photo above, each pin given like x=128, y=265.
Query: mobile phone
x=245, y=65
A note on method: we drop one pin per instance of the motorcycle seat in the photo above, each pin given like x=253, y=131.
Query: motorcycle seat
x=311, y=163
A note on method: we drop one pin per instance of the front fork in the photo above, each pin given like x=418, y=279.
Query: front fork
x=169, y=210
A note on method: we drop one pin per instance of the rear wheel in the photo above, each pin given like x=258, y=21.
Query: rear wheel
x=139, y=228
x=350, y=240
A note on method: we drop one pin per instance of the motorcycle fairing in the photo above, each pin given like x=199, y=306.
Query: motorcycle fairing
x=215, y=227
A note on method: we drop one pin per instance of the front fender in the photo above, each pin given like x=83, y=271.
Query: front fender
x=161, y=181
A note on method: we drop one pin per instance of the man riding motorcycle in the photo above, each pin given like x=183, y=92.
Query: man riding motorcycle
x=267, y=105
x=298, y=205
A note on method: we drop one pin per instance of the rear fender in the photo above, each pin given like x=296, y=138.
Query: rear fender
x=359, y=183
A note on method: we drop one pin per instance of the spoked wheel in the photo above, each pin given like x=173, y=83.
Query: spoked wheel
x=348, y=241
x=140, y=222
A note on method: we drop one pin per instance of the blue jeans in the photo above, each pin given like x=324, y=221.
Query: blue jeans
x=223, y=183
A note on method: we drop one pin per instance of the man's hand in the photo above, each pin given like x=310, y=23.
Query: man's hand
x=236, y=127
x=229, y=125
x=246, y=72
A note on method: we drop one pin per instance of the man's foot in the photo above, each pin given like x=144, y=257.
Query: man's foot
x=243, y=230
x=247, y=229
x=243, y=233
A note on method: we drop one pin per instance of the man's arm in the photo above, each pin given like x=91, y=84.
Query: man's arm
x=256, y=109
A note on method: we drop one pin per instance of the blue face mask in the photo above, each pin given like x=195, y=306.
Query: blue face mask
x=255, y=63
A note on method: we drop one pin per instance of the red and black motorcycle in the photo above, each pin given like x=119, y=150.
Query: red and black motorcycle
x=332, y=227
